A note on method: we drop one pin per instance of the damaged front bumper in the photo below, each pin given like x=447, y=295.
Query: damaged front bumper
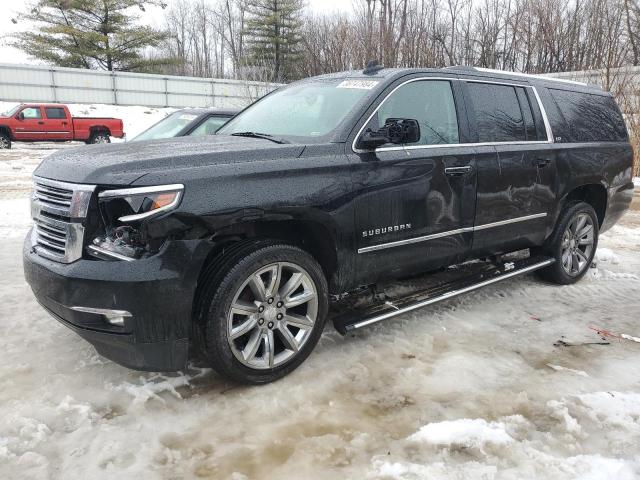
x=134, y=313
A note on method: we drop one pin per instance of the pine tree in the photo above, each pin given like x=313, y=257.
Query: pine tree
x=99, y=34
x=272, y=33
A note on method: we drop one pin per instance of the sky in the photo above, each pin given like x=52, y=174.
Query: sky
x=153, y=15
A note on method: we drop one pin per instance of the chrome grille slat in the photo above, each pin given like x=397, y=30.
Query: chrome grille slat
x=58, y=210
x=56, y=193
x=49, y=188
x=55, y=201
x=59, y=239
x=51, y=246
x=58, y=196
x=51, y=228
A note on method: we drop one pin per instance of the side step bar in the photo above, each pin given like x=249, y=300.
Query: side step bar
x=355, y=319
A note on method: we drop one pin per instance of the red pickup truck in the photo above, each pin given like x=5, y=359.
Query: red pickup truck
x=53, y=122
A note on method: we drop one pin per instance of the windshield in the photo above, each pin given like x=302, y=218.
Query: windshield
x=308, y=110
x=10, y=113
x=167, y=127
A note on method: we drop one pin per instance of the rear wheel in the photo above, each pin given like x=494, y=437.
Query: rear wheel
x=100, y=137
x=573, y=244
x=265, y=313
x=5, y=140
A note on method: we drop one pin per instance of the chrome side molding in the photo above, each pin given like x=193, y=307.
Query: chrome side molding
x=457, y=231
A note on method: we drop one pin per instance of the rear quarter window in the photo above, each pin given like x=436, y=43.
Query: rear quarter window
x=589, y=117
x=55, y=112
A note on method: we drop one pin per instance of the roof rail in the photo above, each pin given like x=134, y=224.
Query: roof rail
x=517, y=74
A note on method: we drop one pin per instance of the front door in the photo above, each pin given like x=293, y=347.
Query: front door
x=516, y=180
x=414, y=205
x=30, y=125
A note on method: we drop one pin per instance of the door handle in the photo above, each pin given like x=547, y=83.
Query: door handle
x=457, y=170
x=40, y=123
x=542, y=162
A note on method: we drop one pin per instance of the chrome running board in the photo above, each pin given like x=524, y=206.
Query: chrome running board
x=352, y=320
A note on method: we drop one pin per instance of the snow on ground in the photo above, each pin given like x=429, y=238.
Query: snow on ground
x=509, y=382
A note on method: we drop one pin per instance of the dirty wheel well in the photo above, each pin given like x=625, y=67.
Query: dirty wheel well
x=97, y=130
x=594, y=194
x=312, y=237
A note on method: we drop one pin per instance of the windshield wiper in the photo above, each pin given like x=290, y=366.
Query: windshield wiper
x=264, y=136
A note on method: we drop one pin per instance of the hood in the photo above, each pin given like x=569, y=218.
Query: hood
x=124, y=163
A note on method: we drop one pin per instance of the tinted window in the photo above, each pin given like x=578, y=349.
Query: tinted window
x=31, y=112
x=527, y=115
x=209, y=127
x=590, y=118
x=52, y=112
x=497, y=113
x=430, y=103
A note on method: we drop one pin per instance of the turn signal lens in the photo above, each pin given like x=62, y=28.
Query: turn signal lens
x=163, y=199
x=143, y=202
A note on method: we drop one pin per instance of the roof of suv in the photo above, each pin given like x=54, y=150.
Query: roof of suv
x=390, y=74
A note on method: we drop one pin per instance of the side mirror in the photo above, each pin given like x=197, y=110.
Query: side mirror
x=395, y=130
x=20, y=116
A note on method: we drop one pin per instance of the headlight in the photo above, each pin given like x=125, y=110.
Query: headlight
x=133, y=204
x=123, y=213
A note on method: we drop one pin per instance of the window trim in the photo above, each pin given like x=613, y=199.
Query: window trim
x=543, y=112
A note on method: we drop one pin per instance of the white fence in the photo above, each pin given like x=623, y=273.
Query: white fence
x=617, y=80
x=30, y=83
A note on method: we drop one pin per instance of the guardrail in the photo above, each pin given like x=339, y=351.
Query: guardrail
x=33, y=83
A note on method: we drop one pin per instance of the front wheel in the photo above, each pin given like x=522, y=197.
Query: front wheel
x=573, y=244
x=265, y=314
x=5, y=141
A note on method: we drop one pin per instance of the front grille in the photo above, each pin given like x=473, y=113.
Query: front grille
x=58, y=210
x=53, y=196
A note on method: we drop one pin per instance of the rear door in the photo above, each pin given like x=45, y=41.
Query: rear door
x=414, y=205
x=30, y=124
x=516, y=182
x=56, y=124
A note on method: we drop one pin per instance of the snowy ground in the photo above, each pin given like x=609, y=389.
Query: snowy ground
x=505, y=383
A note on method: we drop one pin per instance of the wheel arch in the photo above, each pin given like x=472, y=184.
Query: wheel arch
x=310, y=235
x=95, y=129
x=7, y=130
x=595, y=194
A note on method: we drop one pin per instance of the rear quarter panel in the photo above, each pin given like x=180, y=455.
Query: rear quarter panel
x=607, y=163
x=82, y=127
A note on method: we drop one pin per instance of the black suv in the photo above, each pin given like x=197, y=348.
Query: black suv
x=230, y=246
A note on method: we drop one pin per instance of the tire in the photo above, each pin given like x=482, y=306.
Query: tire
x=572, y=241
x=5, y=141
x=99, y=137
x=266, y=336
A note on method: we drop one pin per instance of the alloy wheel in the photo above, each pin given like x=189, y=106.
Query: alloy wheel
x=272, y=315
x=577, y=244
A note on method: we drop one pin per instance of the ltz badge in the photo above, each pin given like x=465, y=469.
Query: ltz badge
x=383, y=230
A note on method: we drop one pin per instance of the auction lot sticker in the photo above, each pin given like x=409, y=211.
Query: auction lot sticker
x=363, y=84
